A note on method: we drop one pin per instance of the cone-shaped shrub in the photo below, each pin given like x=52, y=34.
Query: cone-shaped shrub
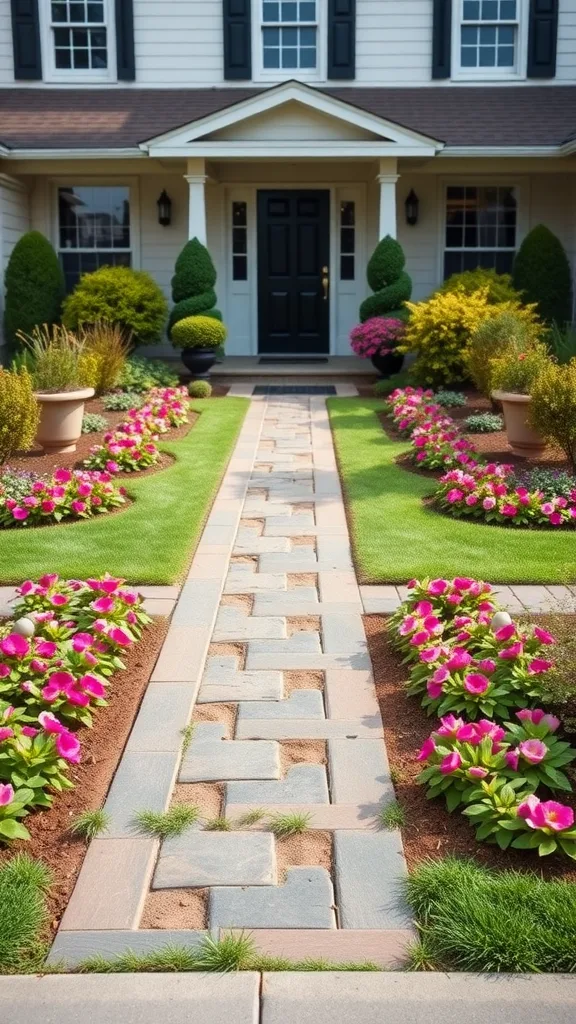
x=542, y=274
x=388, y=280
x=34, y=286
x=193, y=284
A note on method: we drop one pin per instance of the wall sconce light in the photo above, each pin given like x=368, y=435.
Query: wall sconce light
x=412, y=205
x=164, y=209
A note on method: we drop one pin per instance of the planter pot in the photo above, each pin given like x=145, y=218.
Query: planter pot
x=61, y=418
x=388, y=365
x=198, y=361
x=521, y=438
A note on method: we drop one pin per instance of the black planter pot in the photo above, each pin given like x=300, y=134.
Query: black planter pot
x=388, y=365
x=199, y=361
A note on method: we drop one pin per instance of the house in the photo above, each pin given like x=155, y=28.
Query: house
x=289, y=135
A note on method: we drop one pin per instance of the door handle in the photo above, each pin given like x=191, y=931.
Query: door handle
x=325, y=282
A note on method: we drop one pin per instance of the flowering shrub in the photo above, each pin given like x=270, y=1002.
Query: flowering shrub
x=67, y=494
x=544, y=825
x=490, y=493
x=436, y=446
x=459, y=754
x=409, y=407
x=37, y=758
x=377, y=336
x=454, y=604
x=131, y=446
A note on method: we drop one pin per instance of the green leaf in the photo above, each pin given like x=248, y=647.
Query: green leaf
x=527, y=841
x=11, y=829
x=547, y=846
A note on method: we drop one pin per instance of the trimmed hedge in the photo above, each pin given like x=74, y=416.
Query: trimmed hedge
x=542, y=274
x=388, y=280
x=119, y=295
x=193, y=285
x=34, y=284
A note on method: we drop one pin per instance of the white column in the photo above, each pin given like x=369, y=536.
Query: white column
x=387, y=220
x=197, y=206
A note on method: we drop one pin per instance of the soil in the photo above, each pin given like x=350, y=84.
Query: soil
x=430, y=831
x=302, y=624
x=305, y=680
x=308, y=850
x=245, y=602
x=102, y=747
x=225, y=714
x=208, y=797
x=301, y=579
x=175, y=909
x=302, y=752
x=229, y=650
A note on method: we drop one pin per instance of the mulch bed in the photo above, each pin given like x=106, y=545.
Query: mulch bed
x=430, y=830
x=102, y=748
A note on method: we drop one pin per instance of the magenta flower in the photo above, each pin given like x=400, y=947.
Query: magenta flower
x=428, y=655
x=434, y=689
x=505, y=632
x=120, y=637
x=46, y=648
x=441, y=674
x=460, y=659
x=28, y=730
x=58, y=600
x=543, y=636
x=68, y=746
x=487, y=665
x=476, y=772
x=476, y=683
x=512, y=652
x=103, y=605
x=81, y=700
x=533, y=751
x=512, y=758
x=509, y=510
x=6, y=733
x=20, y=513
x=6, y=795
x=488, y=504
x=468, y=733
x=547, y=814
x=50, y=723
x=450, y=763
x=63, y=476
x=438, y=587
x=487, y=728
x=539, y=665
x=450, y=726
x=93, y=686
x=427, y=748
x=15, y=646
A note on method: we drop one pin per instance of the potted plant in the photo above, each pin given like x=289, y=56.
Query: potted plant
x=198, y=337
x=54, y=356
x=377, y=339
x=511, y=378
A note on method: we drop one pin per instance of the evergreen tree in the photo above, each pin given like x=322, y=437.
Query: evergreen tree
x=542, y=274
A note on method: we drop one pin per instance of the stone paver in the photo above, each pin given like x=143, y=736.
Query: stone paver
x=300, y=704
x=71, y=948
x=359, y=771
x=370, y=869
x=303, y=783
x=216, y=858
x=233, y=625
x=223, y=681
x=309, y=729
x=143, y=781
x=126, y=865
x=306, y=900
x=212, y=758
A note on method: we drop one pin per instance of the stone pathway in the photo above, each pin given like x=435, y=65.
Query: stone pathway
x=267, y=642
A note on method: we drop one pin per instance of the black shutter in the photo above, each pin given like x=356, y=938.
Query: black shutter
x=441, y=38
x=26, y=40
x=237, y=41
x=342, y=39
x=542, y=38
x=125, y=59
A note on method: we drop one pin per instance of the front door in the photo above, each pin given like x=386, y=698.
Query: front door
x=293, y=271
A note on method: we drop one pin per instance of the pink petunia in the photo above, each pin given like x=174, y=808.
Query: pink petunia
x=58, y=600
x=450, y=726
x=6, y=733
x=122, y=639
x=477, y=772
x=512, y=652
x=488, y=504
x=533, y=750
x=543, y=635
x=63, y=476
x=460, y=659
x=427, y=748
x=68, y=746
x=512, y=758
x=434, y=689
x=46, y=648
x=15, y=646
x=437, y=587
x=81, y=641
x=50, y=723
x=539, y=665
x=93, y=686
x=428, y=655
x=6, y=794
x=450, y=763
x=103, y=605
x=476, y=683
x=506, y=632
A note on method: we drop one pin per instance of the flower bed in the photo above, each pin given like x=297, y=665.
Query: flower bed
x=131, y=447
x=56, y=663
x=494, y=753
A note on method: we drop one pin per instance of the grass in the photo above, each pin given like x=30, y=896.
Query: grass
x=23, y=883
x=392, y=816
x=187, y=736
x=90, y=824
x=250, y=818
x=395, y=537
x=218, y=824
x=152, y=540
x=283, y=826
x=167, y=824
x=475, y=919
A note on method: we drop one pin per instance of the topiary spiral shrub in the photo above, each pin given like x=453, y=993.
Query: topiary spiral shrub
x=193, y=285
x=542, y=274
x=34, y=284
x=390, y=283
x=119, y=295
x=199, y=389
x=19, y=412
x=198, y=332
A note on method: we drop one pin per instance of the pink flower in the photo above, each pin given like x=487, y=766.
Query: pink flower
x=78, y=506
x=427, y=748
x=454, y=495
x=15, y=646
x=50, y=723
x=472, y=499
x=476, y=683
x=28, y=730
x=63, y=476
x=460, y=659
x=488, y=503
x=441, y=674
x=20, y=513
x=468, y=733
x=434, y=689
x=81, y=641
x=487, y=728
x=103, y=605
x=112, y=466
x=428, y=655
x=68, y=746
x=509, y=510
x=62, y=680
x=48, y=505
x=512, y=652
x=555, y=519
x=506, y=632
x=6, y=733
x=6, y=795
x=543, y=636
x=450, y=763
x=78, y=698
x=120, y=637
x=437, y=587
x=450, y=726
x=46, y=648
x=58, y=600
x=512, y=758
x=92, y=686
x=538, y=665
x=533, y=751
x=487, y=665
x=547, y=814
x=476, y=772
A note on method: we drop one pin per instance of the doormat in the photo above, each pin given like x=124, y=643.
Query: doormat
x=294, y=389
x=290, y=360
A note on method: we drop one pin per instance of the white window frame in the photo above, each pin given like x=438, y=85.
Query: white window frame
x=73, y=76
x=516, y=73
x=271, y=75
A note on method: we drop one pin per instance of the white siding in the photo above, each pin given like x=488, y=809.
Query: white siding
x=14, y=222
x=179, y=43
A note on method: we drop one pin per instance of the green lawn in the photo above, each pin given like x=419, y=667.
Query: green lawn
x=152, y=540
x=395, y=537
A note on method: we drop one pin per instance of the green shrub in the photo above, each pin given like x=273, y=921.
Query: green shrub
x=450, y=399
x=385, y=387
x=542, y=274
x=193, y=284
x=553, y=406
x=198, y=332
x=34, y=284
x=492, y=337
x=500, y=286
x=19, y=413
x=56, y=359
x=104, y=353
x=122, y=401
x=199, y=389
x=129, y=298
x=140, y=374
x=561, y=342
x=517, y=369
x=92, y=423
x=388, y=280
x=484, y=423
x=439, y=332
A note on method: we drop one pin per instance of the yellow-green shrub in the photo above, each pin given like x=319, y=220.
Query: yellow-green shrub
x=492, y=337
x=198, y=332
x=553, y=406
x=105, y=350
x=199, y=389
x=518, y=368
x=19, y=412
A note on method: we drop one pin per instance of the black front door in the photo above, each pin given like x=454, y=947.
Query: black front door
x=293, y=271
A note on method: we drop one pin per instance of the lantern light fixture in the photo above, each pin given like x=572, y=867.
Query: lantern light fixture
x=412, y=205
x=164, y=209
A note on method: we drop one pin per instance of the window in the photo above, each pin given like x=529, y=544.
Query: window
x=290, y=35
x=481, y=223
x=239, y=242
x=93, y=229
x=79, y=38
x=489, y=37
x=347, y=241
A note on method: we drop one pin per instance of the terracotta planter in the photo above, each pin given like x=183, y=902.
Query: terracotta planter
x=521, y=438
x=61, y=418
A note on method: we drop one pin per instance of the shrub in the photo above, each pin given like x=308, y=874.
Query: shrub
x=553, y=406
x=122, y=402
x=93, y=423
x=140, y=374
x=450, y=399
x=562, y=343
x=19, y=413
x=34, y=284
x=500, y=286
x=104, y=355
x=193, y=284
x=65, y=495
x=491, y=338
x=377, y=336
x=516, y=371
x=198, y=332
x=439, y=332
x=389, y=281
x=56, y=359
x=542, y=274
x=199, y=389
x=484, y=423
x=128, y=298
x=490, y=493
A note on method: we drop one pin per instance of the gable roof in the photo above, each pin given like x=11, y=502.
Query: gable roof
x=93, y=119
